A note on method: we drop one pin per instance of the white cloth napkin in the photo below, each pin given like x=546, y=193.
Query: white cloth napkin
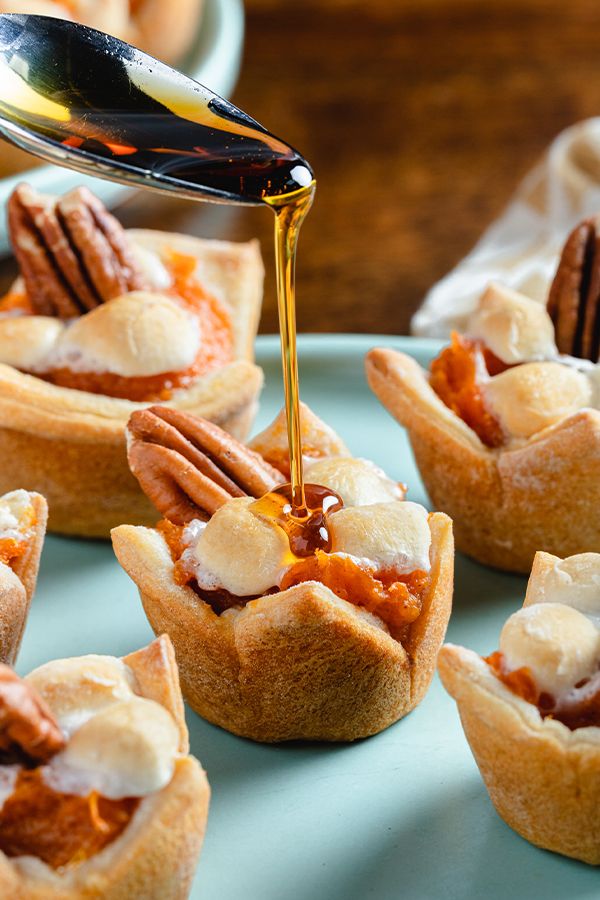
x=521, y=248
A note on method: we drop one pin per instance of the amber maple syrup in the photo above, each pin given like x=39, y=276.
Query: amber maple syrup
x=105, y=102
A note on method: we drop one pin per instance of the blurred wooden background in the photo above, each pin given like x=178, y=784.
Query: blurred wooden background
x=419, y=118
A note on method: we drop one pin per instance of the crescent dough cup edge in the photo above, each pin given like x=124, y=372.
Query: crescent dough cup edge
x=505, y=504
x=298, y=664
x=155, y=857
x=17, y=585
x=68, y=444
x=543, y=779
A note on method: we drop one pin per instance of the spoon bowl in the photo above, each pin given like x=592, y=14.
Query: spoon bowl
x=82, y=99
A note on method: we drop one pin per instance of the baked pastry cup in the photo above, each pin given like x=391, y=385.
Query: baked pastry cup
x=542, y=775
x=125, y=718
x=303, y=662
x=538, y=486
x=23, y=518
x=69, y=444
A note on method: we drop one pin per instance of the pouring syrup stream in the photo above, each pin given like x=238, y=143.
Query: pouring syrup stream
x=85, y=100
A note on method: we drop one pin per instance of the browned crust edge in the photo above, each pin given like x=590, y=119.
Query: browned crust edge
x=543, y=779
x=505, y=504
x=299, y=665
x=155, y=858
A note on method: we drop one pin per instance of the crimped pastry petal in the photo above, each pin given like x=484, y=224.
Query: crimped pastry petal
x=298, y=664
x=507, y=503
x=543, y=779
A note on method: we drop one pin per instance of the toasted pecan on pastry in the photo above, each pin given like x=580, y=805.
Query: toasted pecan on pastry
x=505, y=432
x=270, y=646
x=99, y=795
x=23, y=518
x=531, y=712
x=77, y=358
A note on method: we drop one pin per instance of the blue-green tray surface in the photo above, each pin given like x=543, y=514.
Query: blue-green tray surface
x=403, y=814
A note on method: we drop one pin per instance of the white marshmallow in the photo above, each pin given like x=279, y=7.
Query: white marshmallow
x=357, y=481
x=152, y=266
x=125, y=750
x=535, y=395
x=27, y=341
x=15, y=511
x=557, y=643
x=76, y=689
x=392, y=535
x=515, y=328
x=240, y=551
x=574, y=581
x=137, y=334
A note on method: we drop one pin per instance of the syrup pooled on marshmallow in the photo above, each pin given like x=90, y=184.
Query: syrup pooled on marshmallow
x=307, y=530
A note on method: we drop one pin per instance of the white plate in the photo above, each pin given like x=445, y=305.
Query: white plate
x=214, y=61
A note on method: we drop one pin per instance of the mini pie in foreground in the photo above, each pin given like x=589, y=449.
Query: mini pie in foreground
x=505, y=427
x=22, y=529
x=274, y=646
x=99, y=797
x=531, y=711
x=102, y=322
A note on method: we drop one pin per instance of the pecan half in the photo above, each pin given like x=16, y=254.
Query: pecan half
x=189, y=467
x=73, y=254
x=574, y=298
x=28, y=731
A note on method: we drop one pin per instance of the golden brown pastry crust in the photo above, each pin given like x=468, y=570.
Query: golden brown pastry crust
x=298, y=664
x=543, y=779
x=504, y=504
x=17, y=585
x=155, y=856
x=70, y=445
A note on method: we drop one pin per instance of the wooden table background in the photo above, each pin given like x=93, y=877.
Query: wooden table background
x=419, y=118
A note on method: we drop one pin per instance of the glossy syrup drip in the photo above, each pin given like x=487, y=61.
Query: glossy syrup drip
x=308, y=532
x=290, y=212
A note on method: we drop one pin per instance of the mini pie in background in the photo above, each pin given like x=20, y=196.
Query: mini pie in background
x=531, y=711
x=23, y=518
x=99, y=797
x=505, y=427
x=102, y=322
x=333, y=646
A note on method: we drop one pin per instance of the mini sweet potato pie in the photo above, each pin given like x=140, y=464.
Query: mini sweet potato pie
x=98, y=797
x=531, y=711
x=277, y=640
x=505, y=426
x=102, y=322
x=22, y=530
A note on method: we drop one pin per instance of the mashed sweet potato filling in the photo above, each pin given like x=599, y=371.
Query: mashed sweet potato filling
x=60, y=829
x=456, y=376
x=13, y=548
x=395, y=598
x=578, y=708
x=216, y=347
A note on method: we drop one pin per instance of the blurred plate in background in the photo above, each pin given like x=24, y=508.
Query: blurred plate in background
x=213, y=61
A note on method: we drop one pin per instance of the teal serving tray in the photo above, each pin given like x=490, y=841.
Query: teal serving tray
x=403, y=814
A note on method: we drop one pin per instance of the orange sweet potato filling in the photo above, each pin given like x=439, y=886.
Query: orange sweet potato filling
x=16, y=303
x=456, y=378
x=216, y=348
x=61, y=829
x=396, y=599
x=578, y=708
x=519, y=681
x=11, y=550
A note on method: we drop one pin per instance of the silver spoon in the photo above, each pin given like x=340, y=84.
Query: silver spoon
x=83, y=99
